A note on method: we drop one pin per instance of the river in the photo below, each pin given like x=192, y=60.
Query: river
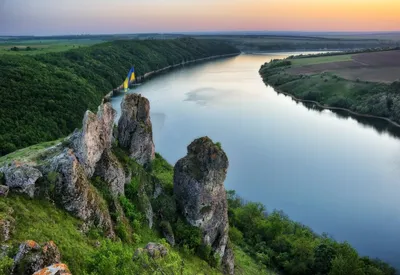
x=328, y=171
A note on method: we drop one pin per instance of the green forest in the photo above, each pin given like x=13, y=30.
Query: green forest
x=44, y=96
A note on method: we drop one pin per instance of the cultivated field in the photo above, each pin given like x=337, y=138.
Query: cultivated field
x=374, y=66
x=38, y=46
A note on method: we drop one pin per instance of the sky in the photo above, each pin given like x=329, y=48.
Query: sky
x=51, y=17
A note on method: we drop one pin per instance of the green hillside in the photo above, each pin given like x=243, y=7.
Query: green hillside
x=43, y=97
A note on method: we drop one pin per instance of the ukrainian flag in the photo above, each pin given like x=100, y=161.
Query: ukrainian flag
x=129, y=79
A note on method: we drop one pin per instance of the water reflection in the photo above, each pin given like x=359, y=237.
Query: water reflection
x=380, y=125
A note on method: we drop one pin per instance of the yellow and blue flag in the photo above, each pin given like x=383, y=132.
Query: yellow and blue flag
x=129, y=79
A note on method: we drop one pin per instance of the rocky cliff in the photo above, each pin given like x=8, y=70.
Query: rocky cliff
x=201, y=197
x=135, y=132
x=67, y=173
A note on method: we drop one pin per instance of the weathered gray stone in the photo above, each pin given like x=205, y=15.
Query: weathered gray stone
x=167, y=232
x=75, y=194
x=6, y=228
x=21, y=178
x=200, y=193
x=135, y=129
x=145, y=205
x=95, y=137
x=55, y=269
x=4, y=190
x=31, y=257
x=112, y=172
x=154, y=250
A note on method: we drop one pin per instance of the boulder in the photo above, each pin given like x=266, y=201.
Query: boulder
x=200, y=193
x=21, y=178
x=135, y=132
x=4, y=191
x=112, y=172
x=31, y=257
x=74, y=192
x=55, y=269
x=95, y=137
x=154, y=250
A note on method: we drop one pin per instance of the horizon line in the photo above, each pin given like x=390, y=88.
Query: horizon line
x=208, y=32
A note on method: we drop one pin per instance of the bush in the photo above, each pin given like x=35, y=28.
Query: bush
x=186, y=234
x=6, y=264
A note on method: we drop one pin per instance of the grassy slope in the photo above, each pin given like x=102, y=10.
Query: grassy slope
x=45, y=96
x=320, y=60
x=38, y=46
x=40, y=220
x=328, y=89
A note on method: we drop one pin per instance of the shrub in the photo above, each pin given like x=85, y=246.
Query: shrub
x=187, y=235
x=6, y=264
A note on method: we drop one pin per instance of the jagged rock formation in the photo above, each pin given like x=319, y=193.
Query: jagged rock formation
x=31, y=257
x=94, y=138
x=55, y=269
x=112, y=172
x=21, y=178
x=200, y=194
x=135, y=130
x=75, y=194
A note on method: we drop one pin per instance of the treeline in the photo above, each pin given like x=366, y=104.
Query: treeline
x=44, y=97
x=369, y=50
x=292, y=248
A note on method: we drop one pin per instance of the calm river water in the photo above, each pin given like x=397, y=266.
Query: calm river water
x=328, y=171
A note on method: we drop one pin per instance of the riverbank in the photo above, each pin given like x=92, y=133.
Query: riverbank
x=45, y=96
x=149, y=75
x=329, y=82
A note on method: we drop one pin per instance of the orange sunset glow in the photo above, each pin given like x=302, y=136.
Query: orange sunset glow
x=103, y=16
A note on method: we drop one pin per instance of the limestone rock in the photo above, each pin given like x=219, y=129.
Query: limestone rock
x=200, y=193
x=21, y=178
x=95, y=137
x=145, y=205
x=55, y=269
x=168, y=233
x=7, y=223
x=112, y=172
x=228, y=261
x=75, y=194
x=31, y=257
x=154, y=250
x=135, y=129
x=4, y=191
x=6, y=229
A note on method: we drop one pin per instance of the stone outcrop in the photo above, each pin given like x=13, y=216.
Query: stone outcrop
x=200, y=195
x=167, y=232
x=154, y=250
x=94, y=138
x=135, y=132
x=112, y=172
x=21, y=178
x=55, y=269
x=4, y=191
x=7, y=223
x=31, y=257
x=74, y=192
